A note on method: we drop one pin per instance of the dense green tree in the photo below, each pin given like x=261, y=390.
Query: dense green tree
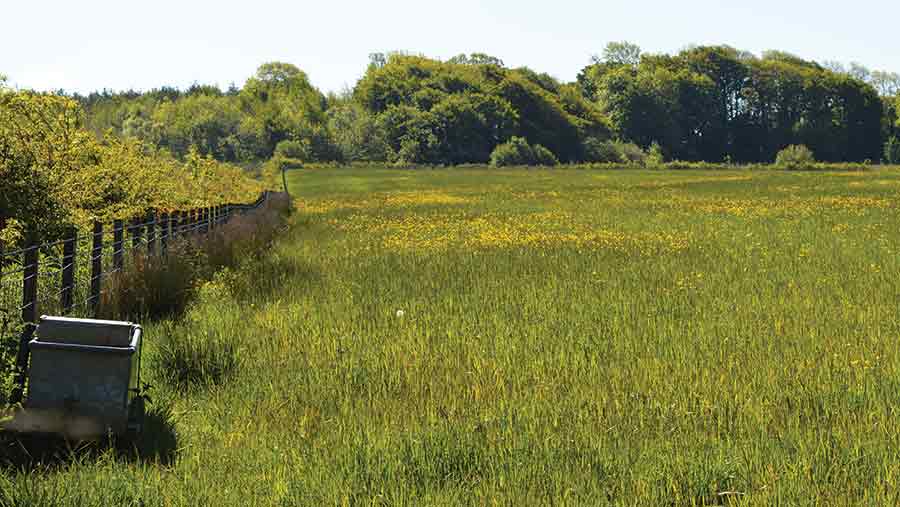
x=469, y=126
x=542, y=118
x=620, y=53
x=476, y=59
x=355, y=133
x=710, y=103
x=892, y=151
x=41, y=142
x=458, y=111
x=206, y=122
x=655, y=104
x=890, y=121
x=282, y=105
x=718, y=103
x=544, y=80
x=411, y=134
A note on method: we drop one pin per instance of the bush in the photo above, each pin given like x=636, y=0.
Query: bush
x=297, y=150
x=543, y=156
x=604, y=152
x=631, y=153
x=892, y=150
x=795, y=156
x=618, y=152
x=517, y=151
x=9, y=347
x=655, y=155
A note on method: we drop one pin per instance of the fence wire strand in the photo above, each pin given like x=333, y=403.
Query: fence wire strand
x=56, y=274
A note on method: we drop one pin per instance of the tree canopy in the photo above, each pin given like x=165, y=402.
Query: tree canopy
x=705, y=103
x=717, y=103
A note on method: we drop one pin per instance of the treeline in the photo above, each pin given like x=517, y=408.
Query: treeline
x=718, y=103
x=713, y=104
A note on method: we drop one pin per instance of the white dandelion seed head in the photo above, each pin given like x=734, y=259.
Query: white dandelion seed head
x=400, y=313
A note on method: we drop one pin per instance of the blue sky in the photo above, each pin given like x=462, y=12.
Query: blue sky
x=93, y=44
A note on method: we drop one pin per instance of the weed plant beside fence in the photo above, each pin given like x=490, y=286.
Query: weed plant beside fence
x=126, y=269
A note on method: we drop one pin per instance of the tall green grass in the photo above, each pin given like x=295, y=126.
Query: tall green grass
x=729, y=339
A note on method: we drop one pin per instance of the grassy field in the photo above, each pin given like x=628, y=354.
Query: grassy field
x=543, y=337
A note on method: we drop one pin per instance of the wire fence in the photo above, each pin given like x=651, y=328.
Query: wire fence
x=68, y=276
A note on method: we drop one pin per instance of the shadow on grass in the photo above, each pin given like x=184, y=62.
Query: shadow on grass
x=157, y=444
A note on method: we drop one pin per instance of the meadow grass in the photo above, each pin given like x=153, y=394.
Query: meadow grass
x=530, y=337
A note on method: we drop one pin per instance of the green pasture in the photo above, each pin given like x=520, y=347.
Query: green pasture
x=528, y=337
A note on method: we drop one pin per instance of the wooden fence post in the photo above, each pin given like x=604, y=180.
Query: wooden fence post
x=96, y=267
x=29, y=315
x=151, y=232
x=67, y=300
x=118, y=245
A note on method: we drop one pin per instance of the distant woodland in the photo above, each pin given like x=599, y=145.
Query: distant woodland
x=714, y=104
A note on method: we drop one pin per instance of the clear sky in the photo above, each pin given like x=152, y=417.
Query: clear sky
x=85, y=45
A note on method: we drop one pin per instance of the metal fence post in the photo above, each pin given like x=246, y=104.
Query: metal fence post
x=96, y=267
x=67, y=300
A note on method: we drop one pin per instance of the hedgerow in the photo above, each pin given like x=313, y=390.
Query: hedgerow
x=55, y=174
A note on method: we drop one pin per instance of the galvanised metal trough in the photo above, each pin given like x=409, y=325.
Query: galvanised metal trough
x=83, y=379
